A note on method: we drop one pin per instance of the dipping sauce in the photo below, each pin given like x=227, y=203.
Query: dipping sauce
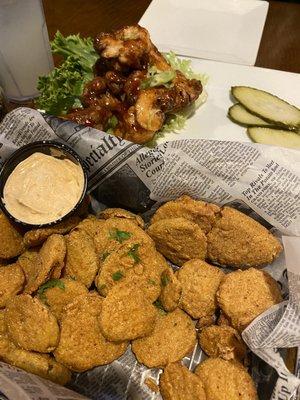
x=42, y=189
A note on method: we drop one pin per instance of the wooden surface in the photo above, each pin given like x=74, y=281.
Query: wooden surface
x=279, y=48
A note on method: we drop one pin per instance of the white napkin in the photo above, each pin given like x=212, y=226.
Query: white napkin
x=224, y=30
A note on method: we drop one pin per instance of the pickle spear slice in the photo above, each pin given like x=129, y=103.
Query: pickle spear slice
x=275, y=137
x=237, y=113
x=267, y=106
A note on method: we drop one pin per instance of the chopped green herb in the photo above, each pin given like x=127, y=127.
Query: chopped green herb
x=102, y=287
x=164, y=280
x=117, y=275
x=119, y=236
x=73, y=277
x=105, y=255
x=152, y=282
x=48, y=285
x=133, y=253
x=158, y=304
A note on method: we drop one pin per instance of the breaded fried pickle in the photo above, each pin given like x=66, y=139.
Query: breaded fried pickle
x=201, y=213
x=31, y=325
x=42, y=266
x=115, y=232
x=35, y=237
x=243, y=295
x=239, y=241
x=39, y=364
x=174, y=337
x=200, y=282
x=126, y=314
x=178, y=239
x=58, y=296
x=121, y=213
x=226, y=380
x=178, y=383
x=171, y=290
x=91, y=225
x=82, y=262
x=11, y=240
x=82, y=345
x=222, y=341
x=134, y=261
x=11, y=282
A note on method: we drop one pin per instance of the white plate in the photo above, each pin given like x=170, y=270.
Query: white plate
x=210, y=121
x=224, y=30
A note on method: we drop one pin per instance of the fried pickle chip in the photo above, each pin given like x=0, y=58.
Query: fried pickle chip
x=223, y=320
x=39, y=364
x=121, y=213
x=239, y=241
x=60, y=293
x=126, y=314
x=11, y=240
x=35, y=237
x=82, y=262
x=178, y=383
x=40, y=267
x=178, y=239
x=201, y=213
x=226, y=380
x=200, y=282
x=11, y=282
x=115, y=232
x=133, y=262
x=203, y=322
x=222, y=341
x=243, y=295
x=30, y=324
x=171, y=290
x=174, y=337
x=82, y=345
x=91, y=225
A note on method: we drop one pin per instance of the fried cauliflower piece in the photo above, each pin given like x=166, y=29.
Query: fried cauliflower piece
x=120, y=213
x=171, y=290
x=239, y=241
x=226, y=380
x=82, y=262
x=57, y=297
x=178, y=383
x=11, y=239
x=126, y=314
x=222, y=341
x=244, y=295
x=200, y=282
x=174, y=337
x=30, y=324
x=81, y=345
x=178, y=239
x=11, y=282
x=201, y=213
x=36, y=237
x=134, y=262
x=40, y=266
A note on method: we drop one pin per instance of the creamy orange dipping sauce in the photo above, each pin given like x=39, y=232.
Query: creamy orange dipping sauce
x=42, y=189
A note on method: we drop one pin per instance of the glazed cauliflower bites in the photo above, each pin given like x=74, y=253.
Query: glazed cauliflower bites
x=200, y=282
x=178, y=239
x=243, y=295
x=226, y=380
x=127, y=313
x=239, y=241
x=174, y=337
x=178, y=383
x=31, y=325
x=222, y=341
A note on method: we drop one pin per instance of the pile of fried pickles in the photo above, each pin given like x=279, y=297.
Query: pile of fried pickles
x=75, y=295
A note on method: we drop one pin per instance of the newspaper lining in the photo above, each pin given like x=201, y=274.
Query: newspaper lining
x=258, y=179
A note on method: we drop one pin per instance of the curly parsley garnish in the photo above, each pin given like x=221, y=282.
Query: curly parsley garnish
x=119, y=236
x=133, y=253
